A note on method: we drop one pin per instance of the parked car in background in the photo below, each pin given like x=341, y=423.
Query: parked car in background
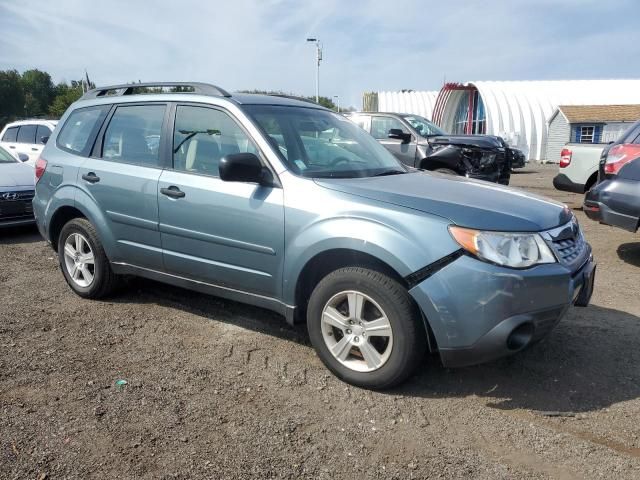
x=578, y=169
x=289, y=206
x=615, y=200
x=27, y=137
x=419, y=143
x=17, y=183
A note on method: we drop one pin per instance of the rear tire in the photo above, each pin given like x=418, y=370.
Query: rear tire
x=83, y=262
x=366, y=328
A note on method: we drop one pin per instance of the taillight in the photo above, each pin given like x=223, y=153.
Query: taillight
x=565, y=157
x=41, y=166
x=619, y=156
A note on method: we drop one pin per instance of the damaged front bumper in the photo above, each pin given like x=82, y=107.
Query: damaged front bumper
x=479, y=312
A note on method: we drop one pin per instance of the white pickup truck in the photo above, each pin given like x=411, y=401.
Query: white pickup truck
x=579, y=166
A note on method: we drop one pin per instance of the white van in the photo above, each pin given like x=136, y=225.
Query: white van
x=27, y=137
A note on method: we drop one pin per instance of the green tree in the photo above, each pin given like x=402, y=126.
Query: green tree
x=38, y=92
x=65, y=95
x=11, y=96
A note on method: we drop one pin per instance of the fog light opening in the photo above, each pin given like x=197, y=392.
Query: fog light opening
x=520, y=336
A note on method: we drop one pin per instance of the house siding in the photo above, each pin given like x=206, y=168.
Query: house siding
x=559, y=136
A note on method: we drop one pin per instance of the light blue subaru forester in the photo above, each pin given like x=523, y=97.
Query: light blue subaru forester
x=283, y=204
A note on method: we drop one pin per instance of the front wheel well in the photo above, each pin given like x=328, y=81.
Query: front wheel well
x=59, y=220
x=326, y=262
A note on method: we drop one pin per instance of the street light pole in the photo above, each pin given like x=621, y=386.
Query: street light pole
x=337, y=102
x=318, y=60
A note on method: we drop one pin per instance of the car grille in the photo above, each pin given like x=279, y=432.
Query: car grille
x=568, y=244
x=16, y=205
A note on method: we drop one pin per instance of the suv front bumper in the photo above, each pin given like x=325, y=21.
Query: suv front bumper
x=479, y=312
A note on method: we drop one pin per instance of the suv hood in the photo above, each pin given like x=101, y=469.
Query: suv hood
x=480, y=141
x=465, y=202
x=17, y=175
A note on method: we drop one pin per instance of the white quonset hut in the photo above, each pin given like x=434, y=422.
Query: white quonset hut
x=406, y=101
x=519, y=111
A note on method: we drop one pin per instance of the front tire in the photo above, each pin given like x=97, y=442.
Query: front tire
x=83, y=262
x=365, y=328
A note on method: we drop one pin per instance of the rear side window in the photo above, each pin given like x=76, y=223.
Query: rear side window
x=42, y=131
x=80, y=127
x=27, y=134
x=10, y=135
x=133, y=135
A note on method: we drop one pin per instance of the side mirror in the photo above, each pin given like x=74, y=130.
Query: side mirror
x=244, y=167
x=23, y=157
x=44, y=139
x=399, y=134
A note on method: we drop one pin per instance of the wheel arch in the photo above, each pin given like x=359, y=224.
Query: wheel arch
x=59, y=218
x=325, y=262
x=591, y=181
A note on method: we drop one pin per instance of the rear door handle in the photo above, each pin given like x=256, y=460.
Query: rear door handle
x=12, y=146
x=34, y=149
x=173, y=192
x=91, y=177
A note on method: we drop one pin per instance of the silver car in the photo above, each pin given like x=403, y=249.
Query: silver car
x=283, y=204
x=17, y=183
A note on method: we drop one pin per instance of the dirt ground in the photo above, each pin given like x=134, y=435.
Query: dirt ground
x=216, y=389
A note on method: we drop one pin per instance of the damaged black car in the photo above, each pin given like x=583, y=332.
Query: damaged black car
x=419, y=143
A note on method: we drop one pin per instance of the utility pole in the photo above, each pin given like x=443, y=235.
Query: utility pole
x=337, y=102
x=318, y=60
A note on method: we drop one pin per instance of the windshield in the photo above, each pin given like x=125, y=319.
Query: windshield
x=6, y=157
x=423, y=126
x=321, y=144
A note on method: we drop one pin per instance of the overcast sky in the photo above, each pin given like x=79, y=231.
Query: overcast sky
x=368, y=45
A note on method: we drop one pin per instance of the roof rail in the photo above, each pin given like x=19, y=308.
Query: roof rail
x=129, y=89
x=293, y=97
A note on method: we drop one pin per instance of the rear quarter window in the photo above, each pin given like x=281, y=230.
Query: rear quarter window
x=80, y=129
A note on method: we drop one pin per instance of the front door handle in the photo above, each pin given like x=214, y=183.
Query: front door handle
x=91, y=177
x=173, y=192
x=34, y=149
x=12, y=146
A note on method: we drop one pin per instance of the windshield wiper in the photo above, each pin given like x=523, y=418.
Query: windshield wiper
x=389, y=172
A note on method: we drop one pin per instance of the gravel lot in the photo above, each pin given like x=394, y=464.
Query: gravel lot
x=217, y=389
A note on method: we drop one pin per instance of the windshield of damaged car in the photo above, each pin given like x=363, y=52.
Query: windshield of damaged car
x=423, y=126
x=6, y=157
x=320, y=144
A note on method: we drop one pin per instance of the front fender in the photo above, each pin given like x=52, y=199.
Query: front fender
x=402, y=245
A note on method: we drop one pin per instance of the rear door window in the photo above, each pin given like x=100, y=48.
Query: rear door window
x=80, y=129
x=10, y=135
x=27, y=134
x=43, y=131
x=133, y=135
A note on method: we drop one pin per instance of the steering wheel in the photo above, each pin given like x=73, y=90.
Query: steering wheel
x=338, y=160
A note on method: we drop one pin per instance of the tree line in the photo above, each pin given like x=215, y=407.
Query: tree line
x=32, y=94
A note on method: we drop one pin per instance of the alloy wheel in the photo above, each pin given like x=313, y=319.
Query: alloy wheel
x=79, y=260
x=357, y=331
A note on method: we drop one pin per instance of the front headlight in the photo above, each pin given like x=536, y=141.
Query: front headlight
x=515, y=250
